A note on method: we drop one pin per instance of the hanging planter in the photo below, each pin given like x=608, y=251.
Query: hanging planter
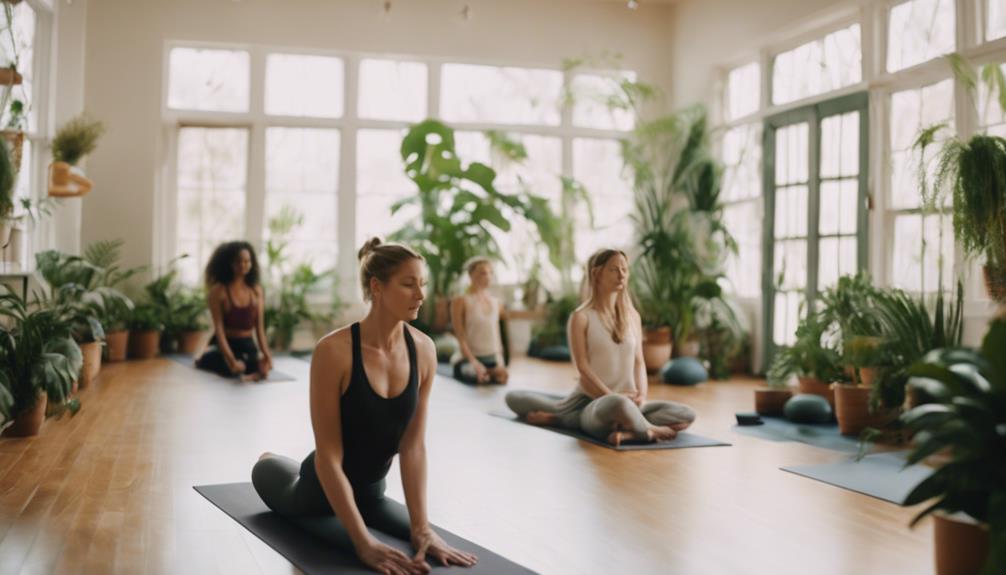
x=9, y=76
x=66, y=181
x=74, y=140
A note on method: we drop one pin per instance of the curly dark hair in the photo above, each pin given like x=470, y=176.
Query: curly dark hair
x=220, y=268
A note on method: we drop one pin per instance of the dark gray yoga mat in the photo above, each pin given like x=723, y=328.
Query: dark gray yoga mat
x=189, y=361
x=880, y=475
x=825, y=436
x=684, y=439
x=314, y=556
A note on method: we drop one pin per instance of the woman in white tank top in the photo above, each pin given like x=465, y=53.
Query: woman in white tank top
x=475, y=316
x=605, y=335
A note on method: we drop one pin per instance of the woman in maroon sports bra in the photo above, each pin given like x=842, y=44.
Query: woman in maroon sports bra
x=235, y=301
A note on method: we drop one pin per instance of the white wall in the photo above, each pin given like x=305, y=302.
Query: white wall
x=126, y=38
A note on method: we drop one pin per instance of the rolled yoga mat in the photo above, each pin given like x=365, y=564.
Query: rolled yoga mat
x=314, y=556
x=880, y=475
x=275, y=376
x=825, y=436
x=684, y=438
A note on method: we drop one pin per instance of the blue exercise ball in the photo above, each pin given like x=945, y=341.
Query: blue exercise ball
x=446, y=345
x=807, y=408
x=554, y=353
x=684, y=371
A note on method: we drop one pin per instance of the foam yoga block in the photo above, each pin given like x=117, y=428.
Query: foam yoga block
x=807, y=408
x=684, y=371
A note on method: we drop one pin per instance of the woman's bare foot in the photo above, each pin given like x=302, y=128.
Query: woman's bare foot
x=679, y=426
x=541, y=418
x=617, y=437
x=251, y=377
x=661, y=433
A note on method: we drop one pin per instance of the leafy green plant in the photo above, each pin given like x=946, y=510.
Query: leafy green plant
x=459, y=207
x=848, y=308
x=721, y=333
x=7, y=180
x=145, y=317
x=181, y=309
x=807, y=357
x=552, y=331
x=37, y=355
x=967, y=419
x=76, y=139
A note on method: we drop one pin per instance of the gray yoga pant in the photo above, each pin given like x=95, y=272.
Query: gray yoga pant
x=292, y=489
x=598, y=417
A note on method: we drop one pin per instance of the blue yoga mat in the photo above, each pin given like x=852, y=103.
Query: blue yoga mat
x=825, y=436
x=880, y=475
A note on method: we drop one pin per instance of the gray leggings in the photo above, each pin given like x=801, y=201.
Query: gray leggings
x=597, y=418
x=292, y=489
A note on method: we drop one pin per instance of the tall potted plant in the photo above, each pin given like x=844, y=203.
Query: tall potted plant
x=74, y=140
x=964, y=421
x=459, y=209
x=39, y=361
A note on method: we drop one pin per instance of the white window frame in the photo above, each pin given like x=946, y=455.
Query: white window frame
x=349, y=125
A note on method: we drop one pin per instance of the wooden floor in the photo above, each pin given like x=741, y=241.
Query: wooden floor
x=110, y=490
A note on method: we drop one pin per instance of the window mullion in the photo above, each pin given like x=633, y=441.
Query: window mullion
x=255, y=224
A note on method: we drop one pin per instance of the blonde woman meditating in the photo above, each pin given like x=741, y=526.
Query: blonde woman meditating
x=605, y=335
x=475, y=316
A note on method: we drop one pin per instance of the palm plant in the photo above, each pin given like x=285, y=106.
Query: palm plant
x=37, y=355
x=967, y=419
x=459, y=207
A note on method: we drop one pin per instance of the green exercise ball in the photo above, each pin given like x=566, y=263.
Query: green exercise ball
x=807, y=408
x=684, y=371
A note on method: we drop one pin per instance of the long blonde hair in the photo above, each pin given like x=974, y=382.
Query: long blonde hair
x=623, y=303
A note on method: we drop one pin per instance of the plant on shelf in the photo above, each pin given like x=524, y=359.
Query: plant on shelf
x=74, y=140
x=291, y=285
x=39, y=362
x=963, y=426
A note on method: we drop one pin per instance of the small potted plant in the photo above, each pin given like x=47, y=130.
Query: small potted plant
x=814, y=365
x=145, y=326
x=189, y=320
x=964, y=422
x=771, y=400
x=39, y=362
x=113, y=310
x=74, y=140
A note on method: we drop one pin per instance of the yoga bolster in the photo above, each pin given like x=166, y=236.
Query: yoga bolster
x=684, y=371
x=807, y=408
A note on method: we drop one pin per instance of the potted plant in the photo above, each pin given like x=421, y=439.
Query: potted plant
x=114, y=310
x=814, y=364
x=39, y=361
x=772, y=399
x=74, y=140
x=145, y=326
x=551, y=335
x=459, y=211
x=188, y=321
x=964, y=422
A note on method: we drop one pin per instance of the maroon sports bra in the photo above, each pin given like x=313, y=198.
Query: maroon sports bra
x=240, y=318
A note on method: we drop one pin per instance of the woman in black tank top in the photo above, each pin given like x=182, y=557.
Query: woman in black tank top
x=370, y=387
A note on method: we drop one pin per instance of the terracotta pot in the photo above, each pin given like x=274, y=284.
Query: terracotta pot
x=771, y=401
x=117, y=344
x=59, y=174
x=92, y=363
x=30, y=422
x=689, y=348
x=144, y=344
x=10, y=77
x=995, y=282
x=815, y=386
x=961, y=545
x=189, y=342
x=867, y=375
x=656, y=348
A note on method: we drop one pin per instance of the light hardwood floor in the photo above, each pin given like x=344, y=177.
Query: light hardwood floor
x=110, y=490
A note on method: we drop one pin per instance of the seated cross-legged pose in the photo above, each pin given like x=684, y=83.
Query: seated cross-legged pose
x=605, y=335
x=476, y=320
x=370, y=390
x=235, y=299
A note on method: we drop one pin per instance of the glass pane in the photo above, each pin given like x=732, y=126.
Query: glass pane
x=840, y=145
x=791, y=212
x=786, y=317
x=988, y=104
x=302, y=175
x=597, y=164
x=744, y=269
x=918, y=31
x=917, y=248
x=836, y=257
x=742, y=163
x=380, y=182
x=391, y=90
x=791, y=154
x=790, y=264
x=995, y=27
x=212, y=180
x=212, y=80
x=17, y=47
x=743, y=94
x=823, y=65
x=500, y=95
x=299, y=85
x=594, y=96
x=912, y=111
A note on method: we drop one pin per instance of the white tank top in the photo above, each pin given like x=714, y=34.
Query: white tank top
x=482, y=328
x=613, y=363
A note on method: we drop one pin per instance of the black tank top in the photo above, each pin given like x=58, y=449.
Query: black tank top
x=372, y=426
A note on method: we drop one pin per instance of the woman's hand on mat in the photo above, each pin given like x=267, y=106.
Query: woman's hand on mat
x=236, y=366
x=265, y=366
x=427, y=542
x=481, y=373
x=390, y=561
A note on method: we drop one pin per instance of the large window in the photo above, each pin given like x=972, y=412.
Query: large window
x=918, y=31
x=500, y=95
x=210, y=80
x=742, y=159
x=826, y=64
